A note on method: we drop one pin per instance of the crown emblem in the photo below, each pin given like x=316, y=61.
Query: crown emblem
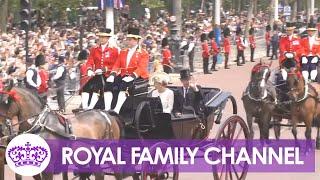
x=28, y=155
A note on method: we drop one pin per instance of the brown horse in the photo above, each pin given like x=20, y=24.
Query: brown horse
x=259, y=99
x=306, y=103
x=23, y=104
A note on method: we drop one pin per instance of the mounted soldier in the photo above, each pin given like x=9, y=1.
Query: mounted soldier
x=99, y=65
x=311, y=54
x=131, y=68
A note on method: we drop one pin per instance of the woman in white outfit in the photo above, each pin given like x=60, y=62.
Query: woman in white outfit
x=166, y=95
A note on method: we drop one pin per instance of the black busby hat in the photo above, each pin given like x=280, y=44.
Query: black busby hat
x=211, y=35
x=226, y=32
x=290, y=26
x=104, y=32
x=83, y=55
x=185, y=74
x=251, y=31
x=238, y=31
x=268, y=28
x=61, y=59
x=203, y=37
x=164, y=42
x=134, y=33
x=40, y=60
x=311, y=27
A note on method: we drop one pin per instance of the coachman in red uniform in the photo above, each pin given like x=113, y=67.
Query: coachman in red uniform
x=311, y=53
x=205, y=53
x=252, y=42
x=214, y=50
x=41, y=64
x=100, y=63
x=290, y=44
x=130, y=69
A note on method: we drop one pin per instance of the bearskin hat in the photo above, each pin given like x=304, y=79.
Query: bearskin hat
x=83, y=55
x=211, y=35
x=268, y=28
x=164, y=42
x=203, y=37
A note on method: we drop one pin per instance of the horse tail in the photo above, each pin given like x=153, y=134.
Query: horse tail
x=119, y=122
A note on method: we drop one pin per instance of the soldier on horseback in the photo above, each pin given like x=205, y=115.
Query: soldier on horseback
x=99, y=66
x=130, y=69
x=311, y=54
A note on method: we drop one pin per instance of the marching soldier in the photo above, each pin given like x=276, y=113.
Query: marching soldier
x=214, y=50
x=311, y=53
x=289, y=44
x=252, y=42
x=131, y=67
x=205, y=53
x=268, y=39
x=99, y=65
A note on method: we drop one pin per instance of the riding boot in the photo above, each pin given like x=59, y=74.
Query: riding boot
x=305, y=75
x=121, y=99
x=94, y=100
x=108, y=96
x=85, y=100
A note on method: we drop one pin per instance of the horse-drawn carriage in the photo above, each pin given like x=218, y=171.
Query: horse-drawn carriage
x=141, y=116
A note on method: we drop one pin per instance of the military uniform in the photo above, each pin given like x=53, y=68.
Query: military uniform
x=214, y=51
x=240, y=47
x=252, y=42
x=205, y=53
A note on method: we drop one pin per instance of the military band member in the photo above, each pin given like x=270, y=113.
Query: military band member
x=214, y=50
x=131, y=66
x=99, y=65
x=252, y=42
x=311, y=53
x=241, y=46
x=205, y=53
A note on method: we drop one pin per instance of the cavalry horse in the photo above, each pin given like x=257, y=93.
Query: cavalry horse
x=305, y=105
x=23, y=104
x=259, y=99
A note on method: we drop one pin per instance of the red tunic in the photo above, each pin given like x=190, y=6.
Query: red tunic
x=214, y=48
x=205, y=50
x=252, y=41
x=268, y=38
x=310, y=51
x=84, y=78
x=226, y=45
x=137, y=66
x=44, y=76
x=240, y=45
x=290, y=45
x=166, y=56
x=99, y=59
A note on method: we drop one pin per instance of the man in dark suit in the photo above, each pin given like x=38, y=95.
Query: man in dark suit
x=189, y=95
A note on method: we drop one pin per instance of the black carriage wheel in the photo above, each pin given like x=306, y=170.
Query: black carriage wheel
x=137, y=119
x=229, y=131
x=164, y=175
x=234, y=104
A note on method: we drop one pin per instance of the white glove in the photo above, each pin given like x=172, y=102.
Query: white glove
x=128, y=79
x=98, y=72
x=90, y=73
x=110, y=79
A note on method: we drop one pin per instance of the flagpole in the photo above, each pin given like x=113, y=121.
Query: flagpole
x=110, y=18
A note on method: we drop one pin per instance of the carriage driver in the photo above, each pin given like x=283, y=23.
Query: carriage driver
x=131, y=67
x=311, y=53
x=99, y=65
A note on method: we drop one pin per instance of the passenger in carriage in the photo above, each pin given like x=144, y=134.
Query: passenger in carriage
x=311, y=54
x=190, y=94
x=130, y=68
x=166, y=95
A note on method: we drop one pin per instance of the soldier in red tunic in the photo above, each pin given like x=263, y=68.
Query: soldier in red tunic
x=166, y=56
x=311, y=53
x=130, y=68
x=226, y=47
x=41, y=64
x=268, y=39
x=214, y=51
x=290, y=48
x=99, y=65
x=241, y=46
x=205, y=53
x=252, y=42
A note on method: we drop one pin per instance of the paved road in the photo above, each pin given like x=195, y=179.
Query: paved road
x=235, y=81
